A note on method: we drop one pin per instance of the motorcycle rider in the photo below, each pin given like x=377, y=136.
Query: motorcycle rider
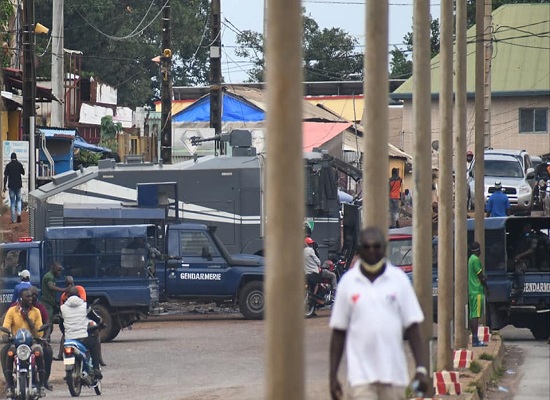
x=326, y=273
x=74, y=323
x=312, y=265
x=23, y=316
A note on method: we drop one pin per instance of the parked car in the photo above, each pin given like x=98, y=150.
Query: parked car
x=514, y=169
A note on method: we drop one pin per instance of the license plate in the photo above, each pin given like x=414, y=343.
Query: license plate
x=68, y=361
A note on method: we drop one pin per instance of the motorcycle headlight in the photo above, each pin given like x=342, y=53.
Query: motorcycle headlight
x=23, y=352
x=524, y=189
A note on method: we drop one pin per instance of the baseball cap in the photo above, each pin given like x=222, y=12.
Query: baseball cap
x=498, y=185
x=25, y=274
x=308, y=240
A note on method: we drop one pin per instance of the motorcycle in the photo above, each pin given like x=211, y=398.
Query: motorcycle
x=78, y=365
x=25, y=372
x=323, y=298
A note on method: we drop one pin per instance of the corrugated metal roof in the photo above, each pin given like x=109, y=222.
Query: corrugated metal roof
x=521, y=53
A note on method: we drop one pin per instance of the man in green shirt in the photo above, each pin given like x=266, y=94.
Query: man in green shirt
x=476, y=285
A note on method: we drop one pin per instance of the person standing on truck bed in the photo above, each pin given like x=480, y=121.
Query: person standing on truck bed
x=12, y=180
x=476, y=285
x=525, y=252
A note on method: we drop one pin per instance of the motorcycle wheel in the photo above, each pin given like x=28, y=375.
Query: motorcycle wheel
x=97, y=388
x=309, y=305
x=23, y=386
x=74, y=382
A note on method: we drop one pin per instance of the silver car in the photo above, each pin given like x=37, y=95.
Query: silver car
x=517, y=181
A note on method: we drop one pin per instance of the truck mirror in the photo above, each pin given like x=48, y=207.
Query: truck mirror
x=206, y=254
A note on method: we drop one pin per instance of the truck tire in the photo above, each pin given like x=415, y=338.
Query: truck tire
x=541, y=328
x=252, y=300
x=112, y=329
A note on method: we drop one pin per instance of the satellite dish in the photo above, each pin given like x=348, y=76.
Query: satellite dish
x=435, y=145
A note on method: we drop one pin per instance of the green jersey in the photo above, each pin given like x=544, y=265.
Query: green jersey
x=48, y=295
x=474, y=268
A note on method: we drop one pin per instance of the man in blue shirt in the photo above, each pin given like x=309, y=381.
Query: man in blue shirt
x=25, y=284
x=498, y=204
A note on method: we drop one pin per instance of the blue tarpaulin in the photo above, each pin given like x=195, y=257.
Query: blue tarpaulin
x=233, y=110
x=80, y=143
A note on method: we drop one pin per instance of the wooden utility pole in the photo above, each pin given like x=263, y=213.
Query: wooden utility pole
x=285, y=360
x=58, y=79
x=422, y=171
x=166, y=86
x=479, y=169
x=375, y=150
x=216, y=95
x=29, y=87
x=446, y=190
x=487, y=58
x=461, y=187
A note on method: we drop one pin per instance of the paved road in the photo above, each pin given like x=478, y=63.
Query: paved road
x=212, y=357
x=534, y=374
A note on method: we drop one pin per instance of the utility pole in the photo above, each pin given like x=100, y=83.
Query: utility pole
x=285, y=354
x=461, y=190
x=166, y=85
x=29, y=87
x=376, y=165
x=58, y=79
x=216, y=72
x=422, y=172
x=479, y=169
x=488, y=56
x=445, y=205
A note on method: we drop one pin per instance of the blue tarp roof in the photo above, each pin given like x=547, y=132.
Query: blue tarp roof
x=80, y=143
x=234, y=109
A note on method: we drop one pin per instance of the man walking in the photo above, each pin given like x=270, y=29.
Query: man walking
x=498, y=204
x=476, y=285
x=24, y=284
x=395, y=197
x=375, y=308
x=12, y=180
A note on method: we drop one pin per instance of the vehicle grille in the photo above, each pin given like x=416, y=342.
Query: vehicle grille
x=506, y=190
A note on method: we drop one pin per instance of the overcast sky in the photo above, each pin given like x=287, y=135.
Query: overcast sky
x=349, y=15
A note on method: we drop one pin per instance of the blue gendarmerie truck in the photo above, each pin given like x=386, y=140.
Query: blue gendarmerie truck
x=94, y=255
x=200, y=268
x=128, y=267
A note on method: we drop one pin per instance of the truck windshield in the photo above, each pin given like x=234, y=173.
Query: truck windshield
x=400, y=252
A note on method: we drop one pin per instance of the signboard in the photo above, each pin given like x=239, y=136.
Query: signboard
x=22, y=150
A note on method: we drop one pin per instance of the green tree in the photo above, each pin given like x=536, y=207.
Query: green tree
x=471, y=7
x=109, y=131
x=329, y=54
x=401, y=64
x=118, y=39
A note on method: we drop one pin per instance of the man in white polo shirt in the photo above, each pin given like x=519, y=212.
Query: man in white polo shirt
x=375, y=308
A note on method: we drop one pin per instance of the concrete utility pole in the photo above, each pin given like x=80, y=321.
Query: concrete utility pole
x=479, y=169
x=375, y=150
x=216, y=95
x=58, y=78
x=166, y=86
x=285, y=359
x=461, y=189
x=422, y=171
x=29, y=87
x=446, y=190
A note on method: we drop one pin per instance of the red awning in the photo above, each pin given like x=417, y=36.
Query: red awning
x=318, y=133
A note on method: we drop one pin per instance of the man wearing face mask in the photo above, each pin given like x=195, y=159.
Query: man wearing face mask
x=374, y=308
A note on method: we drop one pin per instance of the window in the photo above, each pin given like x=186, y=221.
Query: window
x=12, y=262
x=192, y=244
x=533, y=120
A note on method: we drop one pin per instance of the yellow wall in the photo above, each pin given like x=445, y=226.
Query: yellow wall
x=14, y=119
x=4, y=125
x=342, y=105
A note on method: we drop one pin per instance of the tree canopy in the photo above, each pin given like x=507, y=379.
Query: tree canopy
x=329, y=54
x=119, y=39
